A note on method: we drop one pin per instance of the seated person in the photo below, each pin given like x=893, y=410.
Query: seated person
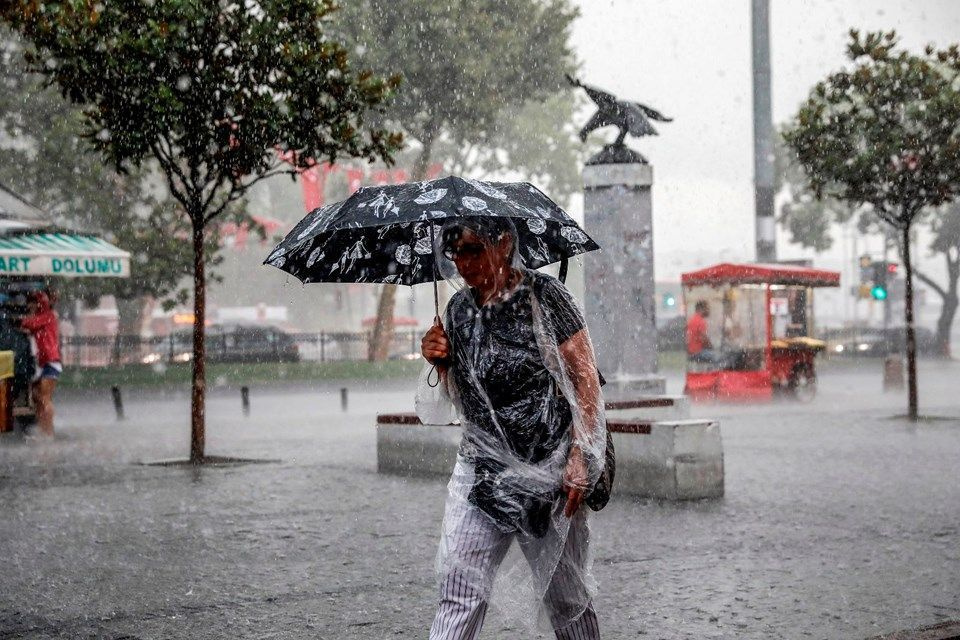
x=699, y=346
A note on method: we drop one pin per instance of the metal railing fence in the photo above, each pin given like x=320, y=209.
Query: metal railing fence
x=239, y=346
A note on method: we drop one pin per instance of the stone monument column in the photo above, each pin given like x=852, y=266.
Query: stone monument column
x=619, y=295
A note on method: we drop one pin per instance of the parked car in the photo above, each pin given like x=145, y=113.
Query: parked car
x=875, y=342
x=231, y=343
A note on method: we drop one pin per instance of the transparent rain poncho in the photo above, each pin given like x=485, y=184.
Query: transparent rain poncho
x=522, y=380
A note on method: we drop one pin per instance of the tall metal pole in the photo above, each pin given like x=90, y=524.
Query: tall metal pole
x=762, y=133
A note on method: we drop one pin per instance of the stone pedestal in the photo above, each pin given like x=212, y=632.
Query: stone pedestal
x=619, y=299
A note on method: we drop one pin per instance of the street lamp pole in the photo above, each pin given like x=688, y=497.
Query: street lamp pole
x=763, y=133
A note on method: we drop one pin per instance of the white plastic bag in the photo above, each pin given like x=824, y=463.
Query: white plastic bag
x=432, y=403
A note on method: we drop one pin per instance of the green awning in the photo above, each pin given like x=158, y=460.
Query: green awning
x=47, y=253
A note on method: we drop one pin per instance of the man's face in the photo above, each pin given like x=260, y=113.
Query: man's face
x=705, y=311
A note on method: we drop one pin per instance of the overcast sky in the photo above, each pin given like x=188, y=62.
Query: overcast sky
x=691, y=60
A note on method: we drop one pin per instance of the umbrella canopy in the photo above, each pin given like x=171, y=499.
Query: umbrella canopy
x=387, y=233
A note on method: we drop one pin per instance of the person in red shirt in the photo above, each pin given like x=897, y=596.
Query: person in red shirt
x=697, y=338
x=699, y=346
x=43, y=325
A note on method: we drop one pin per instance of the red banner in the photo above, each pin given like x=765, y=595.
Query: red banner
x=313, y=181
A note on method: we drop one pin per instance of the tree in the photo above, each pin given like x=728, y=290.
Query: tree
x=883, y=135
x=538, y=140
x=45, y=159
x=214, y=92
x=466, y=64
x=809, y=222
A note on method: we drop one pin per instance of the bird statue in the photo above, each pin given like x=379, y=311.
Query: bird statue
x=631, y=117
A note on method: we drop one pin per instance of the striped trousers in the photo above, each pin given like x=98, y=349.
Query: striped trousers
x=475, y=547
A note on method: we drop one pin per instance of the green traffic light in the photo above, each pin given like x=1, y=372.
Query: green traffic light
x=879, y=293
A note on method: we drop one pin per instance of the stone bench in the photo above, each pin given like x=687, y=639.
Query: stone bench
x=660, y=407
x=667, y=459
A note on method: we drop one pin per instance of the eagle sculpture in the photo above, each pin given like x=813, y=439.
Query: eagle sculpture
x=631, y=117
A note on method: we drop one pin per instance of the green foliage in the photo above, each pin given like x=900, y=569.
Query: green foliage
x=220, y=93
x=882, y=137
x=474, y=74
x=883, y=133
x=538, y=140
x=462, y=60
x=44, y=158
x=481, y=80
x=211, y=90
x=807, y=217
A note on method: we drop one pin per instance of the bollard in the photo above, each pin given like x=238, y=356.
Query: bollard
x=343, y=398
x=245, y=400
x=892, y=373
x=117, y=402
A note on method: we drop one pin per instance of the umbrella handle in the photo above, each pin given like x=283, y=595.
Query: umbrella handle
x=430, y=375
x=433, y=249
x=437, y=322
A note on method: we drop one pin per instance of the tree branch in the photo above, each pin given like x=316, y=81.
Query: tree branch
x=232, y=196
x=167, y=154
x=930, y=283
x=238, y=190
x=213, y=193
x=179, y=194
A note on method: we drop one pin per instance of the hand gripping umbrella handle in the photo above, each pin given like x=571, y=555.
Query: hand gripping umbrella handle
x=433, y=369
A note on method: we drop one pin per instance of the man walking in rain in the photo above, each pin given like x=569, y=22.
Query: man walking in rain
x=514, y=357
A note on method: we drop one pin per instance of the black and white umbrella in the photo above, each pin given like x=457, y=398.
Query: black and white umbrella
x=388, y=233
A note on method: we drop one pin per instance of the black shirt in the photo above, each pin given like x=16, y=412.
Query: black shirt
x=497, y=366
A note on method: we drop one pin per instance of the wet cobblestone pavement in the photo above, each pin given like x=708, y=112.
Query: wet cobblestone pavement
x=839, y=522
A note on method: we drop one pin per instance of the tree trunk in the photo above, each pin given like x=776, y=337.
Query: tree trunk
x=950, y=302
x=130, y=313
x=911, y=336
x=198, y=392
x=945, y=322
x=382, y=336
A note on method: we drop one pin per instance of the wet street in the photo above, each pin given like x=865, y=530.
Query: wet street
x=839, y=521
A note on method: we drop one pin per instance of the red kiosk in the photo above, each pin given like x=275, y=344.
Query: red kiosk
x=755, y=327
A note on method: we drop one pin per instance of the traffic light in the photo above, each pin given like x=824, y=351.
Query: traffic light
x=864, y=291
x=669, y=300
x=866, y=269
x=882, y=271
